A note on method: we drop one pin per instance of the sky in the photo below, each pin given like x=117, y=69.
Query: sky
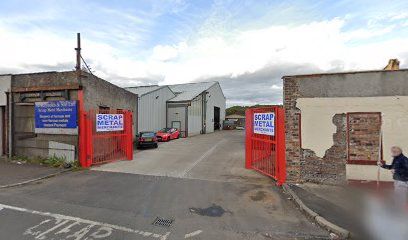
x=245, y=45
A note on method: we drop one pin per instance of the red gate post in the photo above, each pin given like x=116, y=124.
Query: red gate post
x=81, y=129
x=129, y=135
x=281, y=146
x=82, y=138
x=248, y=138
x=89, y=139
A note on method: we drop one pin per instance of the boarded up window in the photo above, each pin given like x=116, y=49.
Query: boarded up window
x=364, y=137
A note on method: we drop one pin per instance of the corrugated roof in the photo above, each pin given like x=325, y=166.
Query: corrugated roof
x=188, y=91
x=141, y=90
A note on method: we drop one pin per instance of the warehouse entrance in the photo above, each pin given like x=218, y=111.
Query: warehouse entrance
x=265, y=142
x=216, y=118
x=105, y=136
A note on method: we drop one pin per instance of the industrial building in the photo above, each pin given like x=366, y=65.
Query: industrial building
x=21, y=93
x=193, y=108
x=198, y=108
x=152, y=102
x=339, y=125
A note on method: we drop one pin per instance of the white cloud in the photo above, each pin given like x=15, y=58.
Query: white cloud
x=322, y=44
x=276, y=87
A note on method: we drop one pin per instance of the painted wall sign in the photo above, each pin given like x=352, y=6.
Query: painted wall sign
x=109, y=122
x=264, y=123
x=56, y=117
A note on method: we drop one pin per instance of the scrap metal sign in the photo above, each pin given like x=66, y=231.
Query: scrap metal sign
x=264, y=123
x=56, y=117
x=109, y=122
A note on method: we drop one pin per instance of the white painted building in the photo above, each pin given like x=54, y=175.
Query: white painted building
x=198, y=108
x=151, y=111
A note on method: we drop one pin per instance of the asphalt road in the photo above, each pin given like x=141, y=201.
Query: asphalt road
x=218, y=157
x=199, y=203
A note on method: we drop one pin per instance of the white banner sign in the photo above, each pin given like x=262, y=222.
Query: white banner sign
x=264, y=123
x=109, y=122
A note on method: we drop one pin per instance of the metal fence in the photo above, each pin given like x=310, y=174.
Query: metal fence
x=99, y=147
x=265, y=153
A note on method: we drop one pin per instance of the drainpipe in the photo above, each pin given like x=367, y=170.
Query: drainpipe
x=204, y=108
x=10, y=124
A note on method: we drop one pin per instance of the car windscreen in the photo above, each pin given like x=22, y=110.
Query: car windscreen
x=165, y=130
x=147, y=134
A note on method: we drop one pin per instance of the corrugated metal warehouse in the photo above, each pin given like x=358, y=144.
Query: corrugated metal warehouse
x=198, y=108
x=193, y=108
x=151, y=106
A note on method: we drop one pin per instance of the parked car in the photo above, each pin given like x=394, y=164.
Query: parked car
x=228, y=125
x=147, y=139
x=167, y=134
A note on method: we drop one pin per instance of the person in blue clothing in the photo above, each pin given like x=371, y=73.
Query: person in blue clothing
x=399, y=168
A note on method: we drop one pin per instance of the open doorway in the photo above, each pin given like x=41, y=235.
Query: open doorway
x=217, y=124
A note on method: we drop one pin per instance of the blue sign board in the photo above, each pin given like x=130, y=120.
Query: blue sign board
x=56, y=117
x=264, y=123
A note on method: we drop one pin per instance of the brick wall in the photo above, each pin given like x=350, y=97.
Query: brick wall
x=331, y=168
x=364, y=136
x=302, y=164
x=292, y=128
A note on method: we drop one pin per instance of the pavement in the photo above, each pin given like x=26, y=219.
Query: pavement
x=217, y=156
x=340, y=209
x=209, y=196
x=15, y=172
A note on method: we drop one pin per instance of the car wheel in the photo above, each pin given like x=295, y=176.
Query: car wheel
x=156, y=145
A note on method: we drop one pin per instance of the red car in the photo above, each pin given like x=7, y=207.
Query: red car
x=167, y=134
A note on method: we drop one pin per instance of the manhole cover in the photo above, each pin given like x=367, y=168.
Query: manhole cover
x=162, y=222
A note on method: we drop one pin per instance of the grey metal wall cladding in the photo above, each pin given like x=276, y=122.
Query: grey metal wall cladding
x=195, y=112
x=152, y=109
x=215, y=98
x=177, y=114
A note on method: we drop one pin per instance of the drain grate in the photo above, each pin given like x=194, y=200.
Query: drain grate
x=162, y=222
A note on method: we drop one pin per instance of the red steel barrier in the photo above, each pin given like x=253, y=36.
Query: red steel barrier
x=101, y=147
x=265, y=153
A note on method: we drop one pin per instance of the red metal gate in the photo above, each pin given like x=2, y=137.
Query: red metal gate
x=101, y=147
x=266, y=153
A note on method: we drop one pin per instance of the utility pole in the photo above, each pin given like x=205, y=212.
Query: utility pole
x=78, y=58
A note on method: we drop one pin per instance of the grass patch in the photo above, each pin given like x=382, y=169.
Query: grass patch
x=53, y=161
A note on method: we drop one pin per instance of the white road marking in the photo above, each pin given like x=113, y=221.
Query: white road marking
x=63, y=219
x=42, y=235
x=195, y=233
x=205, y=155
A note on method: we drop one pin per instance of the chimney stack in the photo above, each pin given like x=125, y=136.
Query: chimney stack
x=393, y=64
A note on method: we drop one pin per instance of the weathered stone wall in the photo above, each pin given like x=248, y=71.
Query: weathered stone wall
x=25, y=142
x=97, y=92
